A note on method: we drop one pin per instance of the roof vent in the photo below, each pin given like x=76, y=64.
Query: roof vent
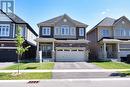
x=123, y=22
x=65, y=20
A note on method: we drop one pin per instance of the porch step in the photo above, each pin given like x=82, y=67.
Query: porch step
x=48, y=60
x=114, y=60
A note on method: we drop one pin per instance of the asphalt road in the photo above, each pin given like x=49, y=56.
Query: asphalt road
x=71, y=83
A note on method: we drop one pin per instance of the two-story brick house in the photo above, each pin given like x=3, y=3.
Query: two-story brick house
x=9, y=24
x=110, y=38
x=62, y=39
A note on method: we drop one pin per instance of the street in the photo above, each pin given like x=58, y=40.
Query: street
x=102, y=82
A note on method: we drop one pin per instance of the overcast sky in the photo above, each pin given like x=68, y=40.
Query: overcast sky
x=87, y=11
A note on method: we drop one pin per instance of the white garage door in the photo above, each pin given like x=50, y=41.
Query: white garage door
x=70, y=54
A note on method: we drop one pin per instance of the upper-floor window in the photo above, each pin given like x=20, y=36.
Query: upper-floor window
x=22, y=30
x=4, y=30
x=128, y=32
x=57, y=31
x=122, y=32
x=81, y=31
x=46, y=31
x=65, y=30
x=105, y=33
x=72, y=31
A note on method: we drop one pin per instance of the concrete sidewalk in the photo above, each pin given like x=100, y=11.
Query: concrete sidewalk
x=68, y=70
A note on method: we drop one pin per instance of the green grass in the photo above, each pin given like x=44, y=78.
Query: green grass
x=112, y=65
x=126, y=72
x=27, y=76
x=31, y=66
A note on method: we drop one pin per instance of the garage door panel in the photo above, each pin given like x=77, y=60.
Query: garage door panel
x=70, y=55
x=8, y=55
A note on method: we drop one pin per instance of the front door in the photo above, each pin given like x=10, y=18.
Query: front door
x=109, y=51
x=47, y=51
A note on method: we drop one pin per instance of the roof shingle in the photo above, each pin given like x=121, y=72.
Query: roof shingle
x=52, y=21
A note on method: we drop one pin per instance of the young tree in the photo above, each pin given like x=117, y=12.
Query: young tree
x=20, y=48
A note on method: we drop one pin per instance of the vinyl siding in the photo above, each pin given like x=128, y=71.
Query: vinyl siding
x=61, y=23
x=125, y=27
x=3, y=17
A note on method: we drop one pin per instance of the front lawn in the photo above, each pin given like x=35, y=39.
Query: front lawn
x=112, y=65
x=25, y=76
x=31, y=66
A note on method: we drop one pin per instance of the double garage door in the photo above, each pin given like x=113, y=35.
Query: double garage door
x=70, y=54
x=8, y=55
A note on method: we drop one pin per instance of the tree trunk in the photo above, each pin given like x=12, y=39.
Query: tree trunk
x=19, y=56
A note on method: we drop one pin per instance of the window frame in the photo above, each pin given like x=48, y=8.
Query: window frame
x=46, y=31
x=57, y=31
x=81, y=32
x=65, y=30
x=105, y=33
x=72, y=31
x=122, y=32
x=5, y=30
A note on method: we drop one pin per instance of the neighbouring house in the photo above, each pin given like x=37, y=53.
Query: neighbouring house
x=62, y=39
x=110, y=38
x=9, y=24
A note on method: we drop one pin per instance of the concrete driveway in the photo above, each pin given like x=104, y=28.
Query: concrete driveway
x=75, y=65
x=5, y=64
x=78, y=75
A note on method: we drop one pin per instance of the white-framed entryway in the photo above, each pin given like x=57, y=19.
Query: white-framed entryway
x=70, y=54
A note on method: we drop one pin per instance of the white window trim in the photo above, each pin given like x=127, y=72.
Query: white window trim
x=72, y=31
x=22, y=30
x=57, y=31
x=122, y=32
x=129, y=33
x=104, y=34
x=66, y=30
x=5, y=33
x=47, y=30
x=81, y=32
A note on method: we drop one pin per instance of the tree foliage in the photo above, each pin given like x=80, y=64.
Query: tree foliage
x=20, y=40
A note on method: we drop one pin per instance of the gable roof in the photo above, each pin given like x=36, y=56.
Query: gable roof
x=18, y=20
x=108, y=22
x=123, y=17
x=53, y=21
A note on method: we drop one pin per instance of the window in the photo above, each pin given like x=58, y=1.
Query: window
x=57, y=30
x=46, y=31
x=81, y=31
x=122, y=32
x=65, y=30
x=4, y=30
x=129, y=33
x=22, y=30
x=72, y=31
x=105, y=33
